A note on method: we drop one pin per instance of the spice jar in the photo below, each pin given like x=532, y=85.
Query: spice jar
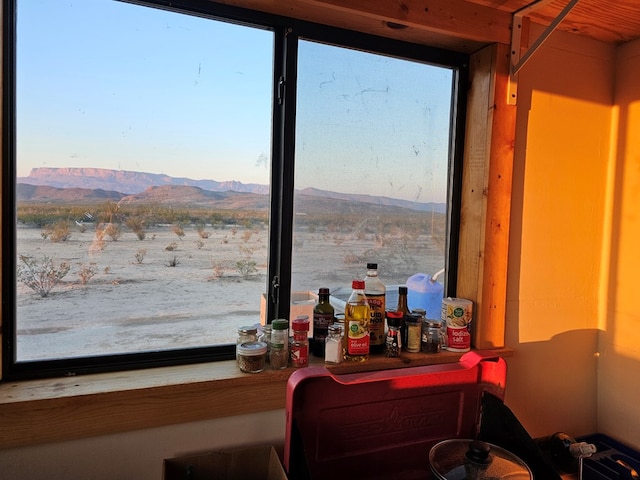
x=251, y=356
x=431, y=335
x=393, y=340
x=265, y=337
x=247, y=334
x=414, y=332
x=279, y=356
x=300, y=343
x=333, y=344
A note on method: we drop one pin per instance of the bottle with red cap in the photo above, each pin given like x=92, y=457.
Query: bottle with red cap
x=300, y=343
x=357, y=315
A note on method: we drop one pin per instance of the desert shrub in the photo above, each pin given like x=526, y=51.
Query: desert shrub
x=171, y=247
x=218, y=269
x=41, y=276
x=178, y=230
x=173, y=262
x=113, y=230
x=136, y=225
x=140, y=254
x=246, y=267
x=86, y=272
x=202, y=232
x=199, y=244
x=98, y=243
x=58, y=232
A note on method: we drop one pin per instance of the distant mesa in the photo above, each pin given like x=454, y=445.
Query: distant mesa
x=66, y=185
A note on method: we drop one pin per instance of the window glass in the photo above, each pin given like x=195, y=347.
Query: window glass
x=372, y=169
x=142, y=153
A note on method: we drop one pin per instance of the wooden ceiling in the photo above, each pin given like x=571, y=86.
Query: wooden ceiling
x=461, y=25
x=611, y=21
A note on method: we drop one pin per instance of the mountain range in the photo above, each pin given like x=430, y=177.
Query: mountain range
x=68, y=185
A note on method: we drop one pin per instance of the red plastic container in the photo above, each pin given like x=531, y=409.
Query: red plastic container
x=382, y=424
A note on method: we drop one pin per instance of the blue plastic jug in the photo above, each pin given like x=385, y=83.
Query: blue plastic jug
x=424, y=291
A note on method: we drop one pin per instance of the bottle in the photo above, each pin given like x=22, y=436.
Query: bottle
x=300, y=343
x=403, y=307
x=356, y=322
x=279, y=355
x=393, y=343
x=375, y=291
x=414, y=332
x=265, y=337
x=323, y=316
x=333, y=348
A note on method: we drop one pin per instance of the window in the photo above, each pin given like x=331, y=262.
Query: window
x=171, y=175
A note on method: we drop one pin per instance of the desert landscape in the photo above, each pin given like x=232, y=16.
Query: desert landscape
x=149, y=284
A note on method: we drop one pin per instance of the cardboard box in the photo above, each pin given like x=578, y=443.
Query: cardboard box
x=302, y=303
x=255, y=463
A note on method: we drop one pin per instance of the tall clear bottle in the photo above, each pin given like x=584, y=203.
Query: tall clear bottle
x=323, y=316
x=357, y=315
x=376, y=292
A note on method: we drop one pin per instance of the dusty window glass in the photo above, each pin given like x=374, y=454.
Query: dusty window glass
x=142, y=153
x=372, y=170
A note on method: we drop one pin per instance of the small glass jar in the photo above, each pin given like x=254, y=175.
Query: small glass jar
x=431, y=335
x=279, y=356
x=265, y=337
x=333, y=344
x=247, y=334
x=413, y=324
x=251, y=356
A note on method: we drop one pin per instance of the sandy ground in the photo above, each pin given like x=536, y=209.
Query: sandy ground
x=140, y=304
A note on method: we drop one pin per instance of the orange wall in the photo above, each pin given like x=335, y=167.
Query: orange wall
x=560, y=186
x=619, y=364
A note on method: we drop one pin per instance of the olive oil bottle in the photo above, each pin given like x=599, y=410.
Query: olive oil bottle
x=357, y=315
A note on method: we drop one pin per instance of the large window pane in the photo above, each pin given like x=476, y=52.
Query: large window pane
x=372, y=159
x=143, y=143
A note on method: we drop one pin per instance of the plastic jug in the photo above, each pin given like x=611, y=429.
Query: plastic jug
x=424, y=291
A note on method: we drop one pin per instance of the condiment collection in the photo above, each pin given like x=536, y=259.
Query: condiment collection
x=366, y=328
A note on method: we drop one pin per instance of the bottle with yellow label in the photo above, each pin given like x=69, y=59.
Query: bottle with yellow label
x=356, y=322
x=376, y=292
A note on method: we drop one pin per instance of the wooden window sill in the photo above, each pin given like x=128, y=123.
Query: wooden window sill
x=40, y=411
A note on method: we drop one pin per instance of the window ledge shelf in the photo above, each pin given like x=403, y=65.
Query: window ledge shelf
x=41, y=411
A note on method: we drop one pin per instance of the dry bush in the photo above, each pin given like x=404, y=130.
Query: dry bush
x=59, y=232
x=86, y=272
x=173, y=262
x=178, y=230
x=202, y=232
x=113, y=230
x=136, y=225
x=41, y=276
x=171, y=247
x=140, y=254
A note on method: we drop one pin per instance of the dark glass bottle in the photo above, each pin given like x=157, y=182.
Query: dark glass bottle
x=323, y=316
x=375, y=291
x=404, y=308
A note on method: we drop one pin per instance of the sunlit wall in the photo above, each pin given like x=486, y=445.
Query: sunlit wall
x=619, y=364
x=558, y=229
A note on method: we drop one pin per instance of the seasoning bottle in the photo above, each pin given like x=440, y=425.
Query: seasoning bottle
x=414, y=332
x=247, y=334
x=356, y=322
x=333, y=344
x=300, y=343
x=403, y=307
x=375, y=291
x=431, y=335
x=393, y=342
x=279, y=356
x=323, y=316
x=265, y=337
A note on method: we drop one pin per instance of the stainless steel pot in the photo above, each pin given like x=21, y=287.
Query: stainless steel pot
x=475, y=460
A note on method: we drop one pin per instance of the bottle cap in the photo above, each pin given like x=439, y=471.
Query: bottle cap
x=280, y=324
x=300, y=324
x=357, y=284
x=323, y=291
x=402, y=290
x=248, y=330
x=372, y=266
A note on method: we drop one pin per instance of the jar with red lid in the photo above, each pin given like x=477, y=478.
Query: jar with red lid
x=300, y=342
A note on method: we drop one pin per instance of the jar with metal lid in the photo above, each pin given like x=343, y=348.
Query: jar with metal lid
x=333, y=344
x=247, y=334
x=251, y=356
x=279, y=356
x=431, y=335
x=413, y=325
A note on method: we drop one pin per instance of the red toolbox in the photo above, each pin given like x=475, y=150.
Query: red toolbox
x=382, y=424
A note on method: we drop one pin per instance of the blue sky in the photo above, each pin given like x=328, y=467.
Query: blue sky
x=136, y=88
